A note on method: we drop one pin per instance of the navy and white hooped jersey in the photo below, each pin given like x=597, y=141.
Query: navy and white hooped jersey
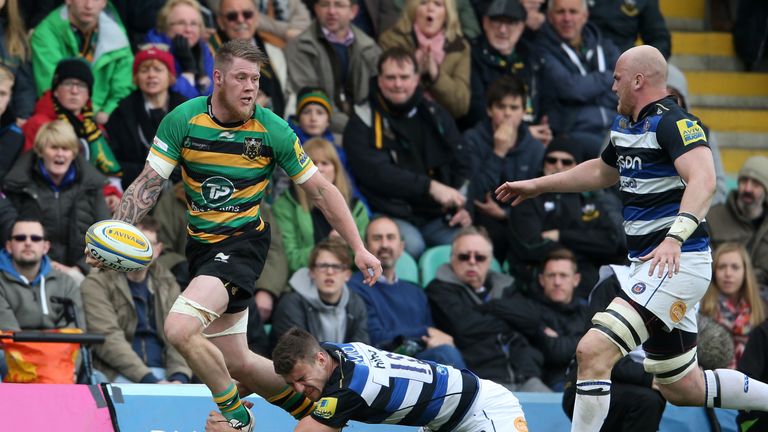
x=651, y=188
x=375, y=386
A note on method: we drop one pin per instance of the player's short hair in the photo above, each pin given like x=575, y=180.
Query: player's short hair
x=507, y=85
x=332, y=245
x=241, y=49
x=294, y=346
x=56, y=133
x=399, y=55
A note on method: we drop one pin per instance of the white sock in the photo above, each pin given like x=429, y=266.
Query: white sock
x=728, y=388
x=592, y=400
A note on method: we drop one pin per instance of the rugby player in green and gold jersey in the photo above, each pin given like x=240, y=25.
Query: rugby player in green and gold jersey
x=227, y=147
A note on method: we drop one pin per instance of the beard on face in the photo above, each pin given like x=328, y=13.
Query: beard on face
x=243, y=114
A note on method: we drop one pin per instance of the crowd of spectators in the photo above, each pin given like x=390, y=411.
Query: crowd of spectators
x=416, y=110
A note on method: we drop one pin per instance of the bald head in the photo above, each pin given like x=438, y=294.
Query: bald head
x=639, y=78
x=648, y=62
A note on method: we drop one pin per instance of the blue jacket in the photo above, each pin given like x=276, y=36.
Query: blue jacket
x=576, y=102
x=182, y=85
x=398, y=309
x=26, y=305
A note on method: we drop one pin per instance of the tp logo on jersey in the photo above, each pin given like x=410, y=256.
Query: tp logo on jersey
x=326, y=408
x=216, y=190
x=690, y=131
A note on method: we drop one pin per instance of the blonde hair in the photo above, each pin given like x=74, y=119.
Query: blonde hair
x=162, y=16
x=56, y=133
x=452, y=26
x=748, y=291
x=326, y=150
x=15, y=33
x=6, y=75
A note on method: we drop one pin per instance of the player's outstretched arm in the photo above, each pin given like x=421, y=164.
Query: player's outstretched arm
x=590, y=175
x=140, y=196
x=329, y=200
x=137, y=200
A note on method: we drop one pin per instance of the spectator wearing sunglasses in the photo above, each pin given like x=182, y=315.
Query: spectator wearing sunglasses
x=504, y=148
x=589, y=224
x=180, y=26
x=321, y=302
x=489, y=319
x=239, y=19
x=28, y=281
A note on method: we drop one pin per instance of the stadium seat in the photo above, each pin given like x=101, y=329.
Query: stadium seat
x=407, y=269
x=436, y=256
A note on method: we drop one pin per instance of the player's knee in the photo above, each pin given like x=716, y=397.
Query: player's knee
x=179, y=329
x=594, y=354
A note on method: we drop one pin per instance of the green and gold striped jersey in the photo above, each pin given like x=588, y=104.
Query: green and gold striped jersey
x=225, y=168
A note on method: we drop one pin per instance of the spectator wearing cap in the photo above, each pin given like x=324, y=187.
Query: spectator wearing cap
x=69, y=99
x=432, y=32
x=89, y=30
x=589, y=224
x=741, y=218
x=240, y=19
x=132, y=130
x=677, y=86
x=503, y=148
x=626, y=21
x=497, y=52
x=313, y=117
x=575, y=75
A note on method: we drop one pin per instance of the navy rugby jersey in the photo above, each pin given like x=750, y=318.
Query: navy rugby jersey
x=375, y=386
x=644, y=152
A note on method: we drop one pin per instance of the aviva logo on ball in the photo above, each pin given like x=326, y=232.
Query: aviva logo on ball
x=124, y=236
x=119, y=245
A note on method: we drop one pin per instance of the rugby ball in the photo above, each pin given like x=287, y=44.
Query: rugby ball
x=118, y=245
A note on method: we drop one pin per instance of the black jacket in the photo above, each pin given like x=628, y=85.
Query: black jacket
x=488, y=65
x=393, y=172
x=622, y=21
x=131, y=132
x=491, y=334
x=590, y=225
x=67, y=214
x=570, y=323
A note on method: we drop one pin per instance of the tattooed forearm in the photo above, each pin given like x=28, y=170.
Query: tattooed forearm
x=140, y=196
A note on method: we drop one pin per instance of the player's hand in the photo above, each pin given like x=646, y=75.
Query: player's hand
x=217, y=423
x=666, y=257
x=369, y=265
x=519, y=190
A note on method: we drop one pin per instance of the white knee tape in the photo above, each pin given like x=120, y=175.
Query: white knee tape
x=186, y=306
x=668, y=371
x=623, y=326
x=241, y=326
